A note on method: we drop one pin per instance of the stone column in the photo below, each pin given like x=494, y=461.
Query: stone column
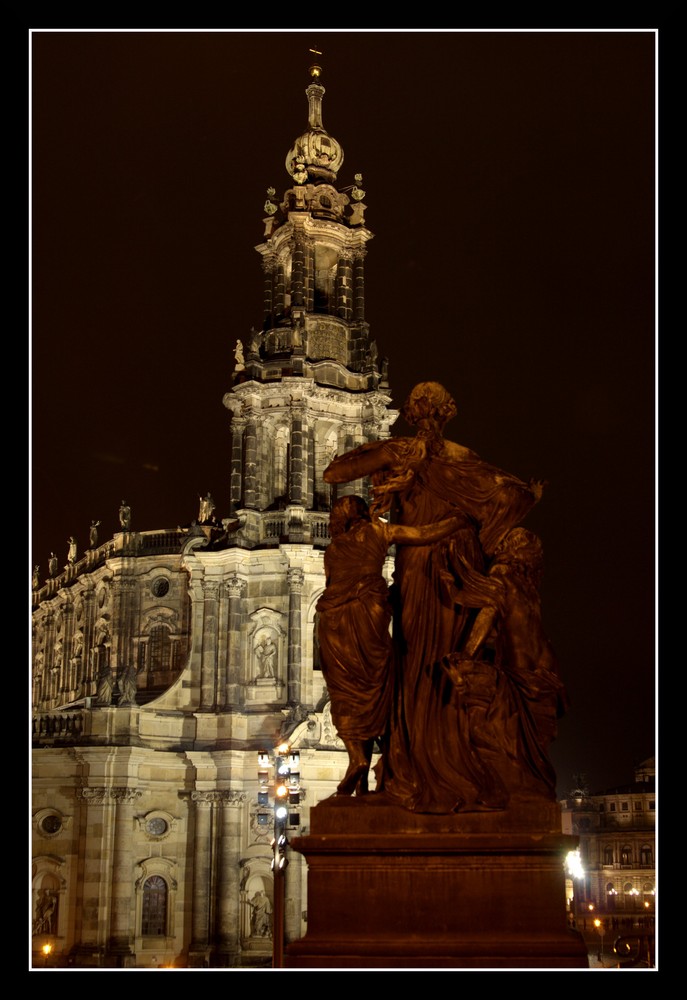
x=268, y=265
x=295, y=580
x=49, y=648
x=279, y=292
x=208, y=669
x=250, y=464
x=67, y=640
x=89, y=614
x=121, y=931
x=238, y=426
x=309, y=275
x=236, y=588
x=359, y=286
x=232, y=804
x=120, y=655
x=344, y=287
x=298, y=272
x=296, y=456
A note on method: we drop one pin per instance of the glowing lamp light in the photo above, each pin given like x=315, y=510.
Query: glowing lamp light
x=573, y=864
x=281, y=812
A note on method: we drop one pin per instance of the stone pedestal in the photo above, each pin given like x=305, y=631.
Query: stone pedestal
x=393, y=889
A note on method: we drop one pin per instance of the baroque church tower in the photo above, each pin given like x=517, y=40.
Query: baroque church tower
x=165, y=659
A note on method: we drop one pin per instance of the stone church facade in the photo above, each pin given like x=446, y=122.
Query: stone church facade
x=164, y=660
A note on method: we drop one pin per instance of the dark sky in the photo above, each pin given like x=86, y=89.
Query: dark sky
x=510, y=181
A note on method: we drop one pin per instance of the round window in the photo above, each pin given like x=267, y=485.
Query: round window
x=156, y=826
x=51, y=824
x=160, y=586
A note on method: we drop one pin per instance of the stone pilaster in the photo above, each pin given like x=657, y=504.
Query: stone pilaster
x=208, y=669
x=295, y=579
x=232, y=804
x=236, y=589
x=203, y=827
x=120, y=941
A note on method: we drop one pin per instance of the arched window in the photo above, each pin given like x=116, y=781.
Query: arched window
x=154, y=913
x=608, y=855
x=160, y=652
x=626, y=855
x=646, y=855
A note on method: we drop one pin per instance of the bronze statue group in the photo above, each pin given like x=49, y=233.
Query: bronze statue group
x=462, y=694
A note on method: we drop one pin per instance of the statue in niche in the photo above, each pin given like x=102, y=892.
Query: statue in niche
x=373, y=353
x=46, y=909
x=471, y=722
x=353, y=630
x=103, y=695
x=93, y=534
x=260, y=915
x=207, y=505
x=71, y=553
x=266, y=652
x=53, y=565
x=125, y=516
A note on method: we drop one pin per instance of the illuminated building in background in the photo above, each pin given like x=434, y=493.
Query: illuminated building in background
x=165, y=659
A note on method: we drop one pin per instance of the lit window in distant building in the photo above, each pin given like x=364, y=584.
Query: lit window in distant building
x=626, y=855
x=154, y=915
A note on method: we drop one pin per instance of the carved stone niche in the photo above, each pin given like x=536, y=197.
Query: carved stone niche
x=267, y=657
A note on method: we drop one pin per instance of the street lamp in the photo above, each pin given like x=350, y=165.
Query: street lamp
x=573, y=866
x=46, y=949
x=279, y=774
x=599, y=924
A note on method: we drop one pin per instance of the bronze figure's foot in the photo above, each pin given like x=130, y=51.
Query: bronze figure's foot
x=354, y=779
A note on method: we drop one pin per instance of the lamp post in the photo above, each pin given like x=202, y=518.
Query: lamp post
x=599, y=924
x=278, y=773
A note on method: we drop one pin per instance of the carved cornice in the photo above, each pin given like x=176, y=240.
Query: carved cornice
x=227, y=797
x=99, y=796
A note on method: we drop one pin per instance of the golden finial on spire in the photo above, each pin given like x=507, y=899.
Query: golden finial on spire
x=315, y=70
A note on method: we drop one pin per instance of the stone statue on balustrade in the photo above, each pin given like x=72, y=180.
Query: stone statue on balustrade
x=125, y=516
x=93, y=534
x=127, y=687
x=207, y=505
x=470, y=693
x=103, y=695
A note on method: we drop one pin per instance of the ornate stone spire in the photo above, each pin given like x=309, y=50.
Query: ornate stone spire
x=315, y=156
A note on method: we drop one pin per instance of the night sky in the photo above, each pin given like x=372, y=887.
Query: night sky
x=510, y=185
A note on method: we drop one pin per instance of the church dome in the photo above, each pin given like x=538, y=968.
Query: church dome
x=315, y=156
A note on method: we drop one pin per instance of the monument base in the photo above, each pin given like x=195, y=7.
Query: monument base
x=388, y=888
